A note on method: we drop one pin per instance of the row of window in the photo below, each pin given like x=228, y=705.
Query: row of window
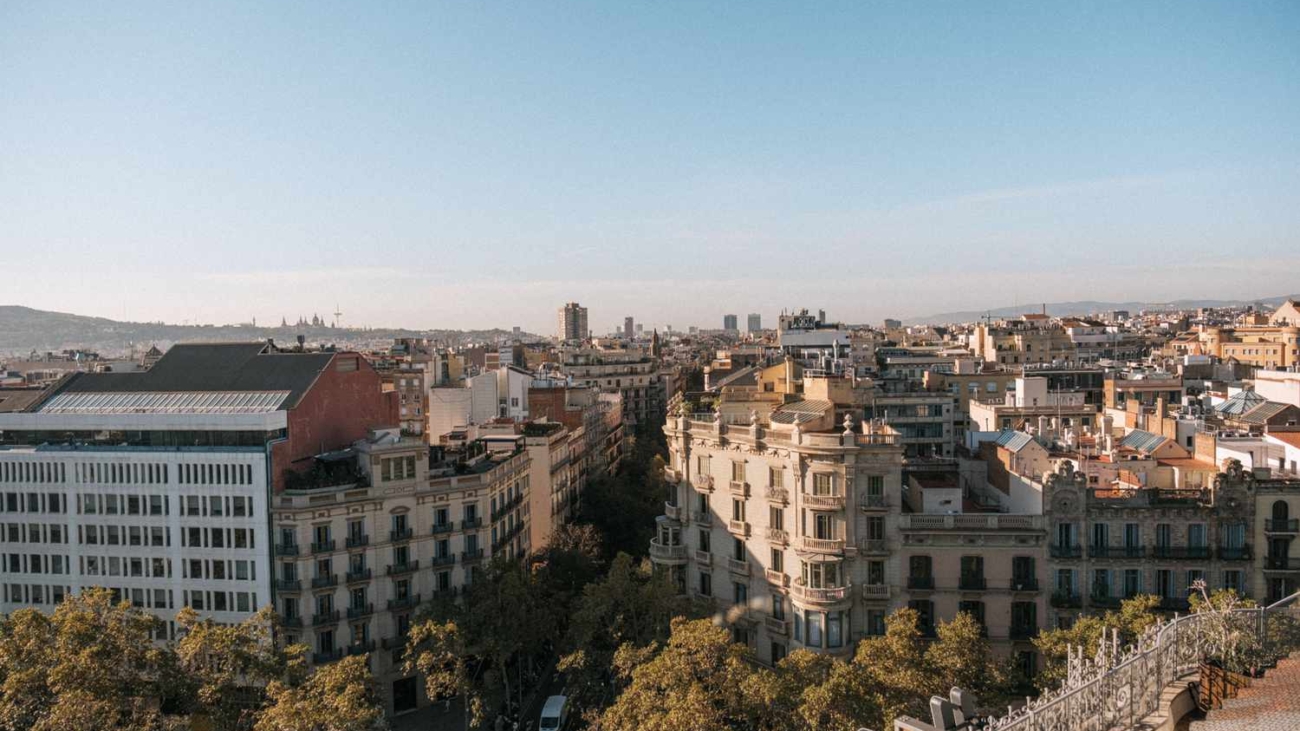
x=237, y=506
x=1232, y=535
x=129, y=473
x=1129, y=582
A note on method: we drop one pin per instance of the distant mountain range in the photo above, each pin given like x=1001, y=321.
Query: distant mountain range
x=23, y=329
x=1088, y=307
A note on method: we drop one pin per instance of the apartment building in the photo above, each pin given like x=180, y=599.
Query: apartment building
x=156, y=484
x=1112, y=541
x=573, y=323
x=392, y=523
x=631, y=372
x=1276, y=529
x=958, y=558
x=1027, y=339
x=785, y=523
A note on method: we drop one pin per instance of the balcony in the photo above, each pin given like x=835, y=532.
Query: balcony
x=704, y=558
x=920, y=583
x=361, y=648
x=1024, y=583
x=1291, y=525
x=323, y=546
x=404, y=603
x=738, y=566
x=446, y=559
x=1241, y=553
x=1066, y=600
x=739, y=489
x=822, y=545
x=820, y=595
x=776, y=578
x=1128, y=552
x=1104, y=599
x=393, y=643
x=778, y=495
x=288, y=585
x=971, y=522
x=1174, y=604
x=294, y=622
x=472, y=556
x=403, y=568
x=671, y=554
x=356, y=541
x=400, y=535
x=672, y=477
x=875, y=547
x=286, y=549
x=875, y=592
x=1075, y=551
x=1181, y=552
x=703, y=483
x=738, y=528
x=703, y=517
x=1280, y=563
x=359, y=575
x=872, y=502
x=325, y=618
x=676, y=512
x=320, y=658
x=440, y=528
x=1023, y=631
x=776, y=626
x=972, y=583
x=322, y=582
x=823, y=502
x=471, y=524
x=778, y=536
x=358, y=611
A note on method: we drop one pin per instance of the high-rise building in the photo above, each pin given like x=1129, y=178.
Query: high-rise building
x=755, y=322
x=729, y=322
x=158, y=484
x=573, y=322
x=629, y=328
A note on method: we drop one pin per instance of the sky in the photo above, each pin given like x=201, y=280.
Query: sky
x=477, y=164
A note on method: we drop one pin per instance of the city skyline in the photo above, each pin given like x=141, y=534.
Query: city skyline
x=467, y=167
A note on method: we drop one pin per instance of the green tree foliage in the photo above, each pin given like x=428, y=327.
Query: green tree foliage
x=691, y=684
x=337, y=697
x=1133, y=618
x=231, y=666
x=962, y=658
x=631, y=605
x=439, y=653
x=92, y=664
x=623, y=505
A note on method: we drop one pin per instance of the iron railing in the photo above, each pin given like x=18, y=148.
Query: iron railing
x=1119, y=687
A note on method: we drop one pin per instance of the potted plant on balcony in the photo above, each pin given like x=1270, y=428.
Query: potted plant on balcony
x=1234, y=651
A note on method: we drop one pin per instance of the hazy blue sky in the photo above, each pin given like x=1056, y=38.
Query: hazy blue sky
x=478, y=163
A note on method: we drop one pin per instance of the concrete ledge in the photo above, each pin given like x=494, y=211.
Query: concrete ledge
x=1176, y=701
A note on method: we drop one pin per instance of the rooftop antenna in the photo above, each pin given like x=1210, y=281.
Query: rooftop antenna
x=337, y=314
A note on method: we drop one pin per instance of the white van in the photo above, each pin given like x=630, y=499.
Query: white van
x=554, y=713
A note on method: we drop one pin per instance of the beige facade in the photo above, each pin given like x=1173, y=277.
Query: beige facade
x=784, y=523
x=352, y=562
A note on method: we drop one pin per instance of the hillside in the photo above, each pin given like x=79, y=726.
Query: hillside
x=1087, y=307
x=23, y=329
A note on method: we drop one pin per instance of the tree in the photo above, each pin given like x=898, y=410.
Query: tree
x=92, y=664
x=336, y=697
x=962, y=658
x=230, y=666
x=691, y=684
x=631, y=605
x=895, y=667
x=437, y=651
x=1133, y=618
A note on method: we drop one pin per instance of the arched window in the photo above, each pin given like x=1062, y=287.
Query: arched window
x=1280, y=510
